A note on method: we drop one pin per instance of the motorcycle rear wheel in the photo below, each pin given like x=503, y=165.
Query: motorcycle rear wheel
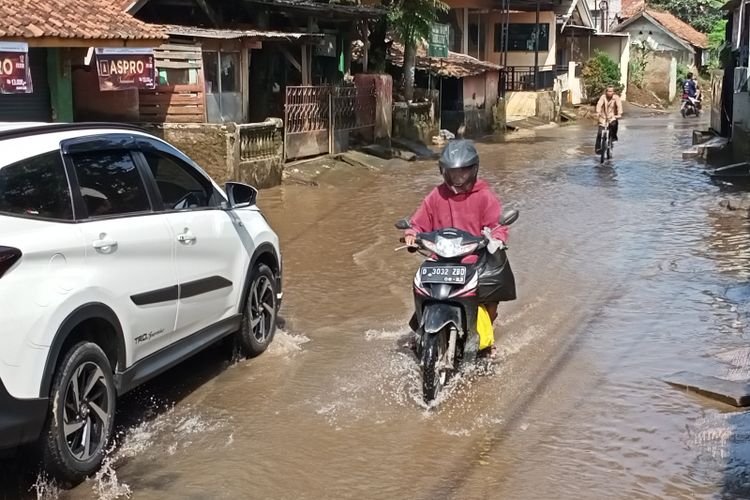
x=434, y=373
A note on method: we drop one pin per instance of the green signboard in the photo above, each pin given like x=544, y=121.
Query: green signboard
x=439, y=40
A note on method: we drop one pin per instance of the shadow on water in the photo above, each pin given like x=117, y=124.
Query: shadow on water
x=20, y=474
x=736, y=482
x=733, y=186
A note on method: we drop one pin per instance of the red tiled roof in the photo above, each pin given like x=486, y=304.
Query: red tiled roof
x=679, y=28
x=82, y=19
x=631, y=8
x=670, y=22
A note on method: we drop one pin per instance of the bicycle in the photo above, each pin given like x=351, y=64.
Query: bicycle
x=605, y=144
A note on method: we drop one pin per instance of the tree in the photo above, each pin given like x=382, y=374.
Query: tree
x=701, y=14
x=411, y=21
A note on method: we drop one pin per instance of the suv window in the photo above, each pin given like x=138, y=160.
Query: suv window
x=110, y=183
x=36, y=187
x=181, y=187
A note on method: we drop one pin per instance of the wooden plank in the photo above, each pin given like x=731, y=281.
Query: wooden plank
x=178, y=88
x=162, y=116
x=190, y=60
x=162, y=99
x=305, y=66
x=173, y=119
x=179, y=47
x=170, y=110
x=291, y=58
x=159, y=55
x=177, y=65
x=245, y=81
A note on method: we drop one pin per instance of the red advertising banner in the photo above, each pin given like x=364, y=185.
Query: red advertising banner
x=121, y=69
x=15, y=72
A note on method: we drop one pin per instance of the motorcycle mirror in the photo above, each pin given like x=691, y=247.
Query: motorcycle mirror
x=403, y=224
x=509, y=218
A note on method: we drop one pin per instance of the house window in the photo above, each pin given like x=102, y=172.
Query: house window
x=221, y=71
x=229, y=65
x=174, y=76
x=521, y=37
x=211, y=71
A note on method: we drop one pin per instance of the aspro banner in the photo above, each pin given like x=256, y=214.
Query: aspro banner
x=15, y=72
x=121, y=69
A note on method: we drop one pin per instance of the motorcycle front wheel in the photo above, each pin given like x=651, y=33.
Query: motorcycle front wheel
x=434, y=371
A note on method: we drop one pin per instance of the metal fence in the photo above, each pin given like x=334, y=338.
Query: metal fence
x=527, y=78
x=353, y=108
x=320, y=120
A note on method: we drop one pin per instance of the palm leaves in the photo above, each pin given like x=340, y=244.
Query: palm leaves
x=411, y=21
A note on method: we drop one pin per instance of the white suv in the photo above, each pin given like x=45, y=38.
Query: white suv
x=119, y=258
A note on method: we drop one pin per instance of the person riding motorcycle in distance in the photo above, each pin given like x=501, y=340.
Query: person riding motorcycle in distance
x=608, y=109
x=464, y=202
x=690, y=87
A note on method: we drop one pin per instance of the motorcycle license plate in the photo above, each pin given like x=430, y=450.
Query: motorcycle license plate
x=455, y=275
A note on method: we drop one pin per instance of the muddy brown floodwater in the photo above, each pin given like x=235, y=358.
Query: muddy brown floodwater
x=626, y=273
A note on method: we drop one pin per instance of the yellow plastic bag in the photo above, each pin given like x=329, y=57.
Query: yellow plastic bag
x=484, y=328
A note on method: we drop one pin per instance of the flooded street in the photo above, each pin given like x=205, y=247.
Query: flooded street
x=626, y=273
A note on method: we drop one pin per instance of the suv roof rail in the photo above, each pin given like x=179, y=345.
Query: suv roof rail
x=64, y=127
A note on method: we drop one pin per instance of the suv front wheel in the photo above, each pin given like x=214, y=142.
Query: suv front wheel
x=81, y=415
x=259, y=319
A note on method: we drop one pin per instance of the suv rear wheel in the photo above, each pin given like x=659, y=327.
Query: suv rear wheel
x=259, y=319
x=81, y=414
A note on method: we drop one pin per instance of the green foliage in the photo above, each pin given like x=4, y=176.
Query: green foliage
x=716, y=44
x=411, y=19
x=682, y=71
x=598, y=73
x=701, y=14
x=717, y=33
x=640, y=51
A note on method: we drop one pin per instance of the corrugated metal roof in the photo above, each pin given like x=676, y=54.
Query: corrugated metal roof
x=454, y=66
x=354, y=11
x=233, y=34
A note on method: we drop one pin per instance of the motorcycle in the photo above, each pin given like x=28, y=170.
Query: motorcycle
x=691, y=106
x=446, y=302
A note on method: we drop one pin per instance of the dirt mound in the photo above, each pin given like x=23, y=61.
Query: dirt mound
x=644, y=98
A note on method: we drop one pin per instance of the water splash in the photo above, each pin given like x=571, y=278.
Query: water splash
x=285, y=343
x=107, y=486
x=45, y=487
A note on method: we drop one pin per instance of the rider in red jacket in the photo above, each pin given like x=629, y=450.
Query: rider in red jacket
x=468, y=204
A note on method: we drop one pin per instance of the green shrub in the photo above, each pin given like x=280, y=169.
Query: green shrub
x=640, y=53
x=636, y=73
x=598, y=73
x=682, y=71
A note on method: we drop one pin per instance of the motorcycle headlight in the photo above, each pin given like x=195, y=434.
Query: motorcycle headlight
x=452, y=247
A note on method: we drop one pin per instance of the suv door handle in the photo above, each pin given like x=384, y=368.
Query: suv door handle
x=186, y=237
x=104, y=244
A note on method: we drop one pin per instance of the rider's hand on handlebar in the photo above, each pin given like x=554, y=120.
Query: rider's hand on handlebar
x=410, y=240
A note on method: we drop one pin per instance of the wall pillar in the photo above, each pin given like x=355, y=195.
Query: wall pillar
x=61, y=84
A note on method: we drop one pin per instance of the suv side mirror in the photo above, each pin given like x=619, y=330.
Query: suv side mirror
x=509, y=218
x=240, y=195
x=403, y=224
